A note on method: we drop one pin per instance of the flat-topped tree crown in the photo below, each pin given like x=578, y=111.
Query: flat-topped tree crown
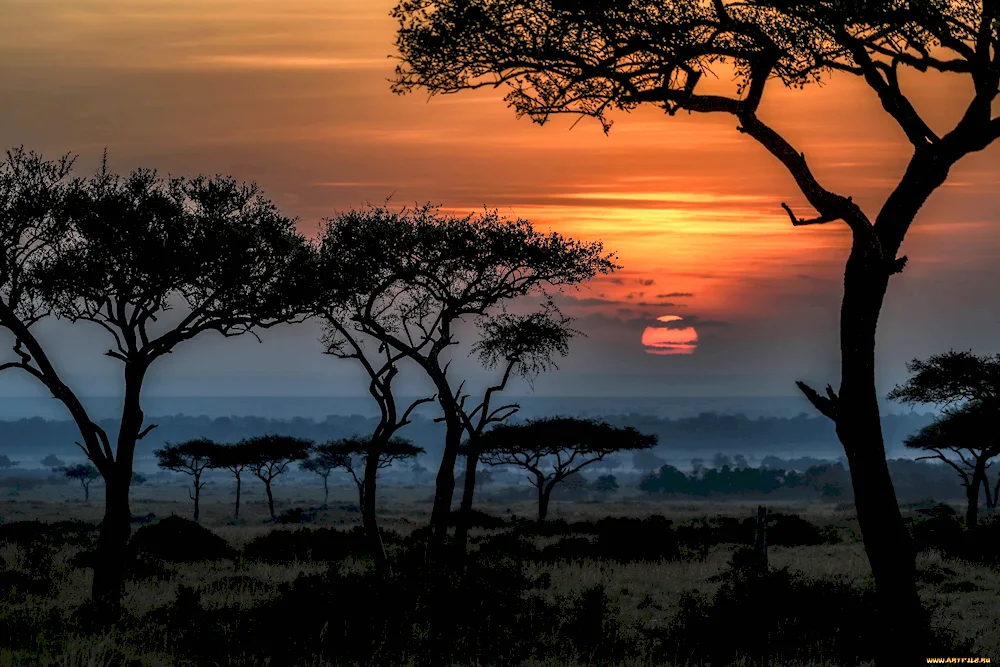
x=141, y=242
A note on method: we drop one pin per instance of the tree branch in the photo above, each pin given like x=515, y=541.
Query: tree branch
x=827, y=405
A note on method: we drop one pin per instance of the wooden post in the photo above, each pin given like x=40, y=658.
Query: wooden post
x=760, y=538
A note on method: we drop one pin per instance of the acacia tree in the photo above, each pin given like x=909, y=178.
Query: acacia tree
x=321, y=464
x=269, y=456
x=120, y=253
x=191, y=458
x=555, y=448
x=52, y=461
x=411, y=276
x=948, y=380
x=592, y=58
x=84, y=473
x=234, y=458
x=969, y=434
x=5, y=462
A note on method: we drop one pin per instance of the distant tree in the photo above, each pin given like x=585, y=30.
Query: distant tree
x=697, y=465
x=740, y=462
x=720, y=461
x=51, y=461
x=482, y=477
x=190, y=458
x=417, y=274
x=269, y=456
x=643, y=460
x=606, y=484
x=351, y=455
x=322, y=465
x=667, y=479
x=566, y=445
x=7, y=463
x=969, y=434
x=968, y=386
x=138, y=479
x=84, y=473
x=236, y=459
x=119, y=252
x=599, y=58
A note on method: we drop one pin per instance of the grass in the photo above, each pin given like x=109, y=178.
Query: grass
x=629, y=601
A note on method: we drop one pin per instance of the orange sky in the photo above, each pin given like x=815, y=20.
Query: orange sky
x=294, y=95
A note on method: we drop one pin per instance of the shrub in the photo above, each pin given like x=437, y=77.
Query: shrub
x=179, y=540
x=312, y=544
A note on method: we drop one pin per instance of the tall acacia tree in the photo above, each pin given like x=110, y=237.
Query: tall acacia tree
x=409, y=277
x=270, y=455
x=589, y=58
x=120, y=252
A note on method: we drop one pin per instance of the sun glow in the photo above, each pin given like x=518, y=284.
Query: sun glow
x=664, y=340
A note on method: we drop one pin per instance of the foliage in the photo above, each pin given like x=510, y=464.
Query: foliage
x=606, y=484
x=5, y=462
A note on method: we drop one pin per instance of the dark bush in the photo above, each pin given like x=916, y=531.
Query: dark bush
x=179, y=540
x=56, y=533
x=480, y=519
x=515, y=546
x=942, y=532
x=297, y=515
x=15, y=585
x=791, y=530
x=312, y=544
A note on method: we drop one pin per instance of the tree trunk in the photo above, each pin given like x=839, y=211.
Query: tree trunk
x=972, y=493
x=197, y=496
x=86, y=493
x=236, y=512
x=112, y=544
x=445, y=488
x=368, y=516
x=887, y=541
x=270, y=500
x=543, y=500
x=326, y=492
x=465, y=510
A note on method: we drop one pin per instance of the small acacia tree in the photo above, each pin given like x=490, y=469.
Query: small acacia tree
x=5, y=462
x=190, y=458
x=84, y=473
x=321, y=464
x=552, y=449
x=606, y=484
x=969, y=435
x=411, y=276
x=236, y=459
x=590, y=58
x=51, y=461
x=968, y=387
x=269, y=456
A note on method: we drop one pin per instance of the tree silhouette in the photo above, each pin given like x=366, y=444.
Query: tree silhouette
x=5, y=462
x=948, y=379
x=589, y=59
x=407, y=278
x=321, y=464
x=51, y=461
x=969, y=434
x=138, y=479
x=606, y=484
x=235, y=458
x=191, y=458
x=565, y=444
x=84, y=473
x=120, y=253
x=359, y=455
x=269, y=456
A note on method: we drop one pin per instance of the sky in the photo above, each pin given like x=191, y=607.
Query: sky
x=719, y=294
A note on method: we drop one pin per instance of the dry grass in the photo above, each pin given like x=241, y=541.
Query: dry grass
x=964, y=599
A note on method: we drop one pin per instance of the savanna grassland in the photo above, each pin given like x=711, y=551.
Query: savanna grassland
x=574, y=590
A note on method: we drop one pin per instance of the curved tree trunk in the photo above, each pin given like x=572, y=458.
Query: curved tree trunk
x=543, y=501
x=270, y=500
x=972, y=493
x=444, y=491
x=465, y=510
x=326, y=491
x=887, y=541
x=197, y=496
x=368, y=516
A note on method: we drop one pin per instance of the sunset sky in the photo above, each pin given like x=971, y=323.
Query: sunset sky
x=720, y=295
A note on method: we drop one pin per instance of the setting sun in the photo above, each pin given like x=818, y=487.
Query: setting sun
x=669, y=339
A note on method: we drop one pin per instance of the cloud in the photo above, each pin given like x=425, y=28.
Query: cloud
x=616, y=281
x=690, y=321
x=277, y=62
x=646, y=283
x=675, y=295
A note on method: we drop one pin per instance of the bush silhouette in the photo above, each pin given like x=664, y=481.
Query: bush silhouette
x=942, y=532
x=56, y=533
x=480, y=519
x=297, y=515
x=179, y=540
x=312, y=544
x=791, y=530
